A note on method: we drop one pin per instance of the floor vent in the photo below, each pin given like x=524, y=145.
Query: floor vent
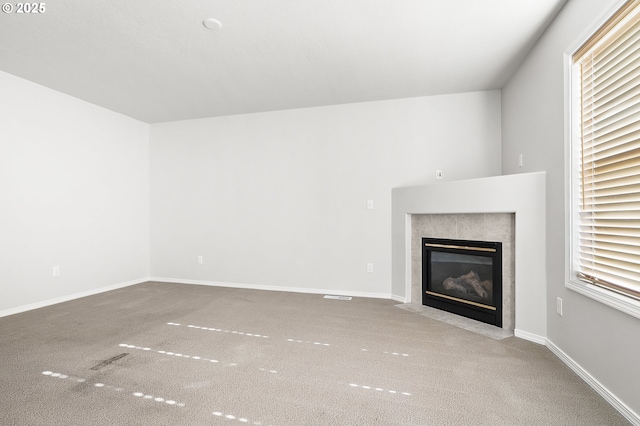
x=328, y=296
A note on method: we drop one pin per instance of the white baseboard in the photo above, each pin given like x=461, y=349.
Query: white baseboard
x=274, y=288
x=627, y=412
x=530, y=336
x=69, y=297
x=398, y=298
x=44, y=303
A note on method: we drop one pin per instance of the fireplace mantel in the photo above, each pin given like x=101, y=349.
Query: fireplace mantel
x=521, y=194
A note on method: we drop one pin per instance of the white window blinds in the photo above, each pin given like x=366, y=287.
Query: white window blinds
x=609, y=173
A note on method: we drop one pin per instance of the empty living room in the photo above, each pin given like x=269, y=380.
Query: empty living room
x=220, y=212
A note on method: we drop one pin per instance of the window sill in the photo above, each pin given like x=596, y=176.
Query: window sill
x=625, y=304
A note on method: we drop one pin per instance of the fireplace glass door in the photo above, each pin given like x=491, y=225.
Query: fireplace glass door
x=463, y=277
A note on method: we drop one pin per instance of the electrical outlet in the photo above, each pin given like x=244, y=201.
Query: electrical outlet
x=370, y=204
x=56, y=271
x=200, y=260
x=559, y=306
x=438, y=174
x=369, y=267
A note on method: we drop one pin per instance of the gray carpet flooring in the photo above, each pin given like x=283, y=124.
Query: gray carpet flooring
x=170, y=354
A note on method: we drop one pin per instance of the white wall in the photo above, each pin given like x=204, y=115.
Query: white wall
x=73, y=194
x=279, y=199
x=601, y=340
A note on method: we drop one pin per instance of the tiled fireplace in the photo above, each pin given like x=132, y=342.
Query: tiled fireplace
x=509, y=209
x=495, y=227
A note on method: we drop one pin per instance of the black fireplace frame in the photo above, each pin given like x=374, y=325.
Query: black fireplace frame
x=487, y=313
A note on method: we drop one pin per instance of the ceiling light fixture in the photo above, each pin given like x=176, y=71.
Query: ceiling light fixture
x=212, y=24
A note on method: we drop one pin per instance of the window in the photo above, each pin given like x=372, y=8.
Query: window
x=605, y=162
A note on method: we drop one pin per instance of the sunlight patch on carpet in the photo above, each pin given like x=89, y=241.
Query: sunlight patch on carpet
x=188, y=357
x=378, y=389
x=169, y=353
x=235, y=417
x=104, y=386
x=309, y=342
x=220, y=330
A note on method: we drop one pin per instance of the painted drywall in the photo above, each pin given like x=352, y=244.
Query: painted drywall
x=600, y=339
x=279, y=199
x=74, y=194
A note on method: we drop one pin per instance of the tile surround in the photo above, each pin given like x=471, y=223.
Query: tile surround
x=468, y=226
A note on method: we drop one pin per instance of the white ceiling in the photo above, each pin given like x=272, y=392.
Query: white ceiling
x=153, y=60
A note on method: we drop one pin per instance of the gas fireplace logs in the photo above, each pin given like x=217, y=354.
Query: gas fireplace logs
x=469, y=284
